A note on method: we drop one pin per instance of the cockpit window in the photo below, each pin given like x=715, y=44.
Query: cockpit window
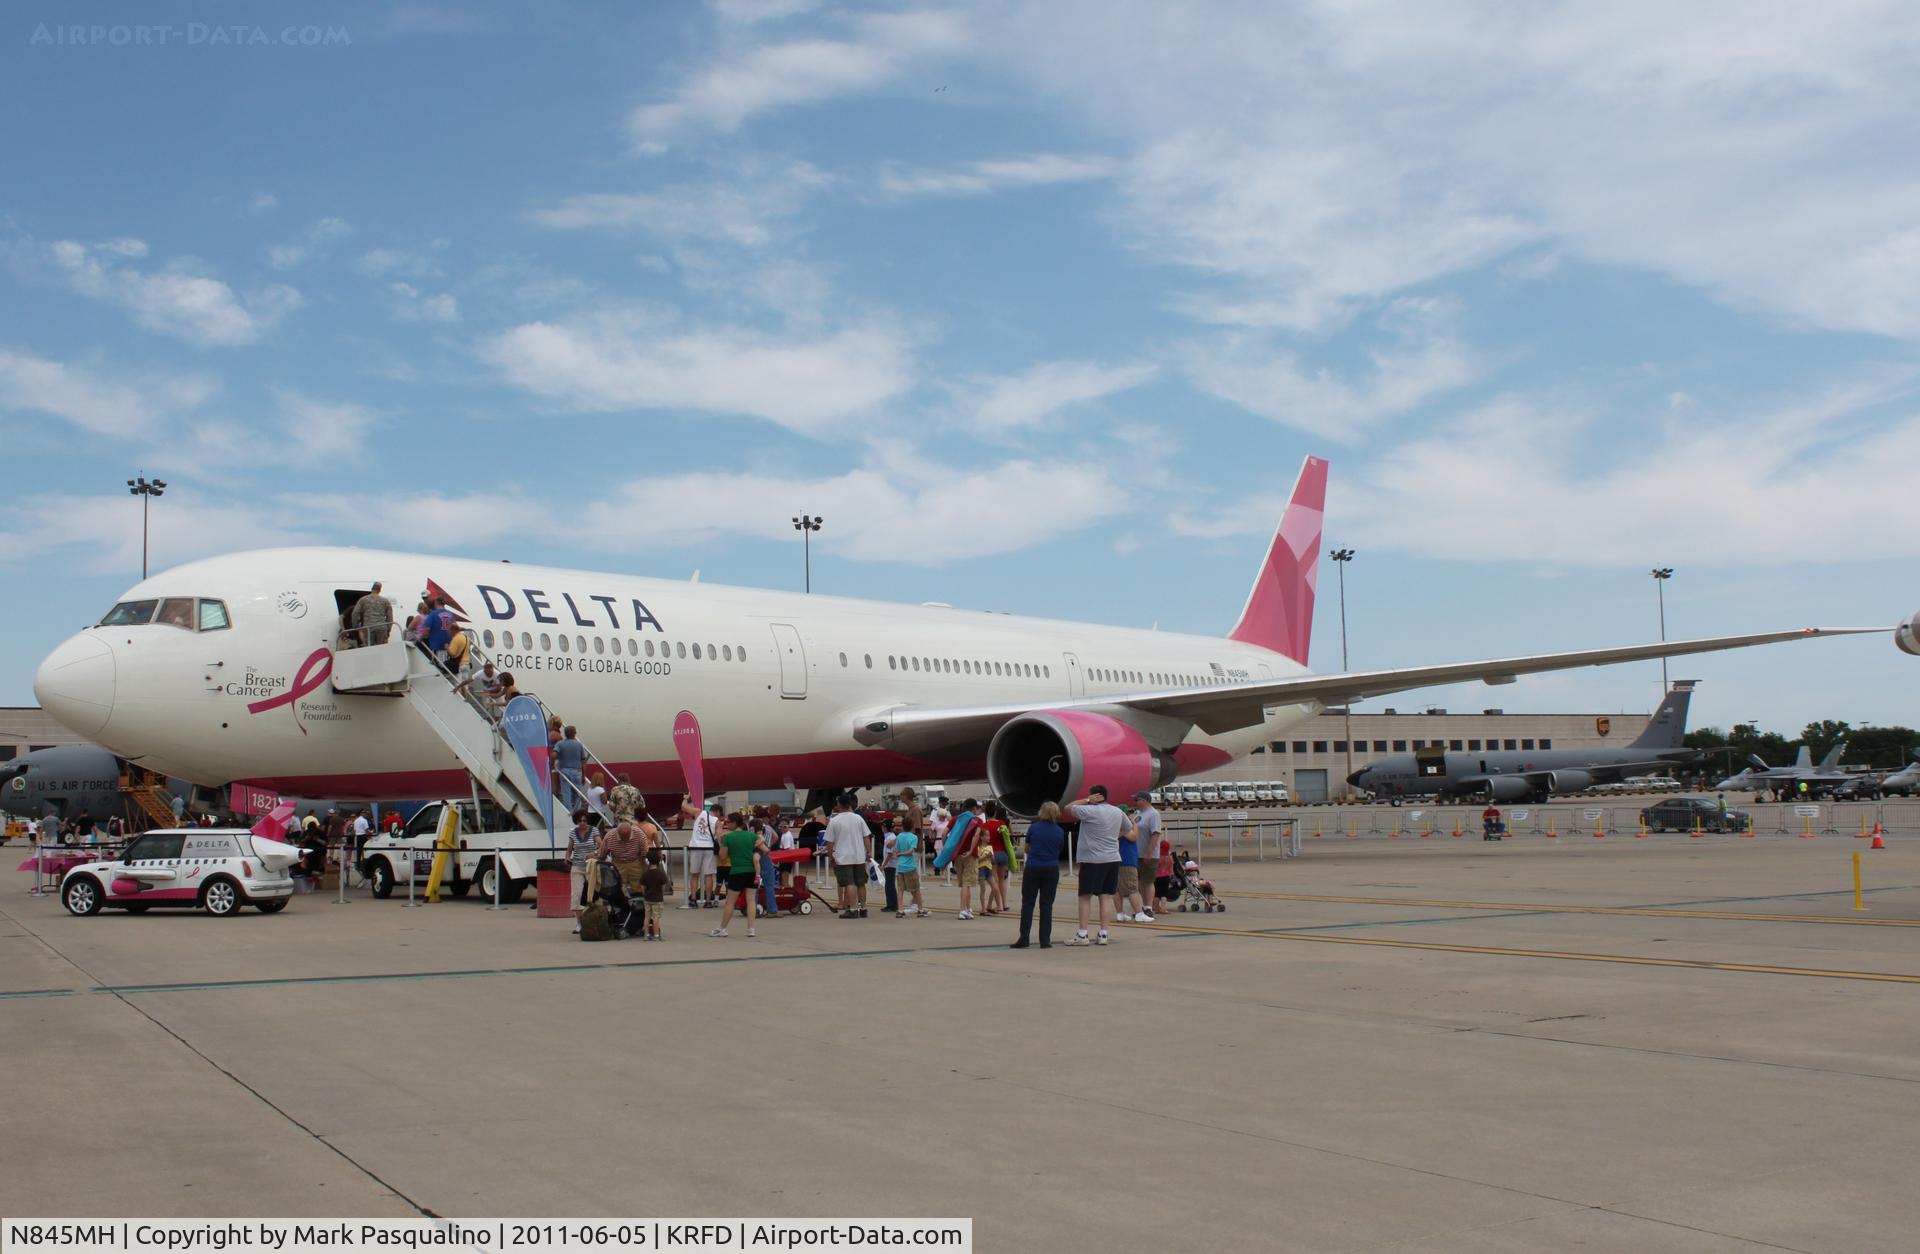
x=129, y=614
x=213, y=616
x=176, y=612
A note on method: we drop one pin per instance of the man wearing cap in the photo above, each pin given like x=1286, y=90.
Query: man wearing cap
x=1098, y=852
x=1143, y=840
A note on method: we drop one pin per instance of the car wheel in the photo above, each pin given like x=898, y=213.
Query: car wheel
x=381, y=874
x=221, y=898
x=269, y=907
x=81, y=895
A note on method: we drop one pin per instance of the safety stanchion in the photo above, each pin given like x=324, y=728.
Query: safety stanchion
x=1859, y=898
x=343, y=862
x=1642, y=833
x=1316, y=827
x=1749, y=831
x=1458, y=831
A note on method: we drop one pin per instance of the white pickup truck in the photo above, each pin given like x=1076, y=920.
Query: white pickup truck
x=390, y=861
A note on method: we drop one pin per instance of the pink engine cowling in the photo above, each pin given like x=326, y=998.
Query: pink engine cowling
x=1056, y=755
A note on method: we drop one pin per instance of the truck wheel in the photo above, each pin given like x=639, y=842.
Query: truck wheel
x=381, y=874
x=510, y=888
x=460, y=888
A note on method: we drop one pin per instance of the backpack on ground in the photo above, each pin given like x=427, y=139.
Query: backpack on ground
x=594, y=923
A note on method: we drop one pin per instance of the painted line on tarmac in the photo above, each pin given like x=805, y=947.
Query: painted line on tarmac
x=1689, y=964
x=1518, y=909
x=394, y=977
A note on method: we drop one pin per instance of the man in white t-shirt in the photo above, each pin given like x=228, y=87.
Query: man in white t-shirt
x=702, y=840
x=851, y=843
x=362, y=828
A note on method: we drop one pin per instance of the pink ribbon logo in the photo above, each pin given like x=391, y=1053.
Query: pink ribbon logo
x=312, y=673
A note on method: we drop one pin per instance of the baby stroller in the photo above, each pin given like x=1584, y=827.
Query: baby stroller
x=1196, y=891
x=625, y=915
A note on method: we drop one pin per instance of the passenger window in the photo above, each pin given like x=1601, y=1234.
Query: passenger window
x=633, y=648
x=130, y=614
x=696, y=650
x=580, y=644
x=869, y=658
x=546, y=642
x=726, y=653
x=649, y=648
x=916, y=664
x=563, y=644
x=843, y=660
x=890, y=665
x=526, y=642
x=740, y=651
x=176, y=612
x=486, y=637
x=713, y=655
x=680, y=650
x=600, y=645
x=213, y=616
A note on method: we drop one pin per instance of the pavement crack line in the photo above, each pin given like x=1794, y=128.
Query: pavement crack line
x=256, y=1094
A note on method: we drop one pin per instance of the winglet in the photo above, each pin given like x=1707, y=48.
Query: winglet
x=1279, y=610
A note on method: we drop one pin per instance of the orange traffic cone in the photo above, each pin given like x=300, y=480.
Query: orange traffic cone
x=1879, y=838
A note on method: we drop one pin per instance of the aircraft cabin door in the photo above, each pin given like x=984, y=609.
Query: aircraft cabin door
x=1076, y=682
x=793, y=661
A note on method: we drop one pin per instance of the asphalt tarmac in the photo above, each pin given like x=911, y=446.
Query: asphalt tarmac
x=1666, y=1044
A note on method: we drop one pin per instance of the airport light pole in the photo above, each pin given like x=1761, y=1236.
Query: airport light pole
x=806, y=525
x=1341, y=557
x=1660, y=576
x=146, y=490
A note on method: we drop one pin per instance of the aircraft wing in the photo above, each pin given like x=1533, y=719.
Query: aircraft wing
x=1217, y=709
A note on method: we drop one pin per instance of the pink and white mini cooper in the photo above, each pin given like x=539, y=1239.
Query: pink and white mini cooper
x=218, y=869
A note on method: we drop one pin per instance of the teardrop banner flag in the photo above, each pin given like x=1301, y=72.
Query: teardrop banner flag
x=524, y=724
x=686, y=743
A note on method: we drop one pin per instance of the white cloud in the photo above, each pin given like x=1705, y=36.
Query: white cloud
x=262, y=202
x=315, y=244
x=401, y=263
x=1528, y=480
x=622, y=360
x=179, y=300
x=91, y=532
x=1002, y=403
x=410, y=304
x=1422, y=360
x=93, y=403
x=1320, y=157
x=739, y=209
x=778, y=75
x=979, y=177
x=301, y=433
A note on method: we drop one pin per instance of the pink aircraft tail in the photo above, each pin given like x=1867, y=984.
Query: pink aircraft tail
x=1279, y=612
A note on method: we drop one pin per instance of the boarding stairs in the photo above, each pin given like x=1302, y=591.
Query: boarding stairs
x=151, y=804
x=404, y=670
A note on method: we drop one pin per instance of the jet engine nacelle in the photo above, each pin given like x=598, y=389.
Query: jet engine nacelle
x=1056, y=756
x=1508, y=788
x=1907, y=635
x=1569, y=781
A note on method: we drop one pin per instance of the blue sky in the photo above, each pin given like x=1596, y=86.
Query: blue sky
x=1039, y=305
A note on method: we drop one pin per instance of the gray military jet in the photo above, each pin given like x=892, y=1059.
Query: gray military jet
x=1533, y=775
x=1784, y=781
x=1905, y=781
x=71, y=780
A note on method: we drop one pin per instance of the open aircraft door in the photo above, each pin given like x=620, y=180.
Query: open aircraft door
x=793, y=661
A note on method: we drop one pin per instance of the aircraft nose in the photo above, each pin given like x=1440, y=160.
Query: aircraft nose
x=1359, y=778
x=75, y=684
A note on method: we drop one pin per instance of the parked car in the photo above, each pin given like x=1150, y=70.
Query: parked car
x=1686, y=814
x=215, y=869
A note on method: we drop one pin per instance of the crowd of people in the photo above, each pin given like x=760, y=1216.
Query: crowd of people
x=749, y=861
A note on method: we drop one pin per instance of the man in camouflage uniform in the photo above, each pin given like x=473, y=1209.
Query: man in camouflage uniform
x=624, y=801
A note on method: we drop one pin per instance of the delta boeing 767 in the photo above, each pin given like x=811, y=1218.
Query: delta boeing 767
x=224, y=671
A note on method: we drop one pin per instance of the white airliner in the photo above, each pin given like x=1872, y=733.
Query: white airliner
x=219, y=671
